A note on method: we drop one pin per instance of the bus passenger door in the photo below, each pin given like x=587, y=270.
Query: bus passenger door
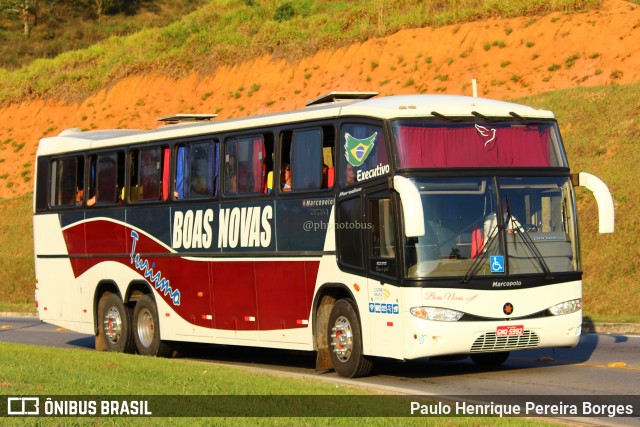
x=382, y=275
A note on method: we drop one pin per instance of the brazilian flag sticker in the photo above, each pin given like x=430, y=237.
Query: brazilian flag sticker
x=357, y=150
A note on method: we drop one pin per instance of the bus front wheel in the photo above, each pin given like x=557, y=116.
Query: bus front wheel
x=146, y=329
x=114, y=325
x=345, y=341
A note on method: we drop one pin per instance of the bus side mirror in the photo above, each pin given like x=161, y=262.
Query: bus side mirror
x=411, y=206
x=603, y=197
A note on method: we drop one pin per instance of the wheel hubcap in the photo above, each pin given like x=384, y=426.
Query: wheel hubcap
x=113, y=325
x=146, y=328
x=342, y=339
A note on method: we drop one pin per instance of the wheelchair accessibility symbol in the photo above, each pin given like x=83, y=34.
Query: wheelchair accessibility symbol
x=497, y=264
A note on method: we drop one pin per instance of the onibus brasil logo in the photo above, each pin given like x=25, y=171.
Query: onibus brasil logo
x=357, y=150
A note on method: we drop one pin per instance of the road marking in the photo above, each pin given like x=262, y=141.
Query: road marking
x=617, y=365
x=613, y=365
x=6, y=327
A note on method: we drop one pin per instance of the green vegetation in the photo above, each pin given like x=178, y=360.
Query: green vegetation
x=616, y=74
x=254, y=88
x=499, y=43
x=570, y=61
x=54, y=27
x=45, y=371
x=16, y=256
x=243, y=30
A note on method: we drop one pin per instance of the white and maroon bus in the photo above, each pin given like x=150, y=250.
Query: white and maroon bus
x=358, y=227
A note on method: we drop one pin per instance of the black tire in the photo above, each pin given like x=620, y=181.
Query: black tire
x=345, y=341
x=114, y=325
x=146, y=329
x=490, y=359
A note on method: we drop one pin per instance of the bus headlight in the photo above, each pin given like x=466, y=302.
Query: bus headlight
x=436, y=313
x=566, y=307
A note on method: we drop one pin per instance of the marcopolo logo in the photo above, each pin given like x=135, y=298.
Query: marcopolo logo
x=357, y=150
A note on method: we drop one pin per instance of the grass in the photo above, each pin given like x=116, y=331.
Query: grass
x=71, y=25
x=44, y=371
x=245, y=30
x=16, y=255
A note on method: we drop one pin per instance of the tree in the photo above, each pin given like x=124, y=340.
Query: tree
x=100, y=6
x=24, y=9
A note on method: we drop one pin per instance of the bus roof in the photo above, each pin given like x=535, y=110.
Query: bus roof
x=389, y=107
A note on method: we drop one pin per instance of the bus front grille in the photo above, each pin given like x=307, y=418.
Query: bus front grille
x=491, y=342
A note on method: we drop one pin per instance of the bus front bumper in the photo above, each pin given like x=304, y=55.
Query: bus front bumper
x=425, y=338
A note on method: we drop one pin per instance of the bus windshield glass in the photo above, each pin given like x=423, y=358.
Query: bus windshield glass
x=477, y=227
x=423, y=143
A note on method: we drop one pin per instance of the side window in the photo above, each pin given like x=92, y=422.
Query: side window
x=67, y=176
x=196, y=170
x=382, y=237
x=382, y=234
x=149, y=174
x=245, y=165
x=349, y=216
x=106, y=178
x=363, y=153
x=306, y=160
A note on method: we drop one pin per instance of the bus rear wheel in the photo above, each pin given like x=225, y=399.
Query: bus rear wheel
x=114, y=325
x=490, y=359
x=345, y=341
x=146, y=329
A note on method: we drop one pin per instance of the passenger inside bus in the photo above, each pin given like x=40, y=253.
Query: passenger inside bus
x=80, y=198
x=325, y=176
x=286, y=177
x=269, y=182
x=79, y=195
x=350, y=174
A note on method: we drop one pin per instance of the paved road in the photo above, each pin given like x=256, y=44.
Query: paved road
x=602, y=365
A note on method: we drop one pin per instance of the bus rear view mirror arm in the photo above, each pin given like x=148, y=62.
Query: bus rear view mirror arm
x=603, y=197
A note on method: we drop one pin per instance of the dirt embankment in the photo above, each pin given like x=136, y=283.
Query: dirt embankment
x=508, y=57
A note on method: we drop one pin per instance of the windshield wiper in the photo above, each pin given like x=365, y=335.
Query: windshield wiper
x=494, y=233
x=518, y=229
x=526, y=238
x=480, y=257
x=447, y=118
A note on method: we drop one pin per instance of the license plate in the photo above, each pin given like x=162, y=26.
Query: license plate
x=510, y=331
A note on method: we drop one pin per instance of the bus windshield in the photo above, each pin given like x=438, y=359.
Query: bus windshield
x=493, y=227
x=423, y=143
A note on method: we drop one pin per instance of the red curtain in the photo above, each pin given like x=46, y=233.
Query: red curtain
x=420, y=147
x=258, y=165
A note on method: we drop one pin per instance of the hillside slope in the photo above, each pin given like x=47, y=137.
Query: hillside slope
x=508, y=57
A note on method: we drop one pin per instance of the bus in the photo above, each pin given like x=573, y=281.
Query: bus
x=358, y=227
